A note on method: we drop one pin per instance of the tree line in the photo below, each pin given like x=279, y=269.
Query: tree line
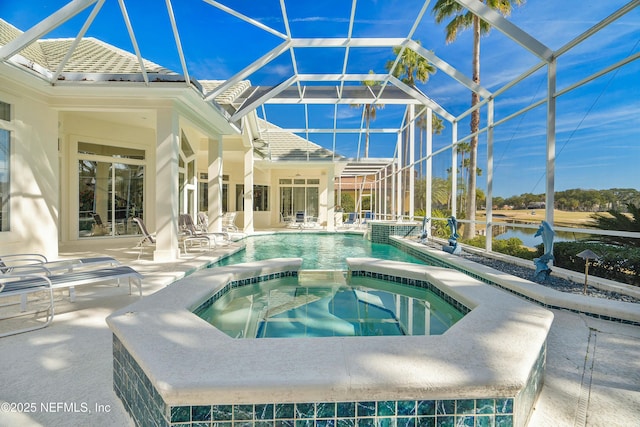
x=576, y=200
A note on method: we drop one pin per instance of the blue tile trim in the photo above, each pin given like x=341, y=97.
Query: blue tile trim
x=413, y=282
x=140, y=398
x=411, y=413
x=437, y=262
x=147, y=408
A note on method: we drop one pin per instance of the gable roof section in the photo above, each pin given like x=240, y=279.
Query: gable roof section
x=279, y=145
x=93, y=56
x=90, y=56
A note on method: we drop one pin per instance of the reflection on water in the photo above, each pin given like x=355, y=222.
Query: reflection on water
x=528, y=239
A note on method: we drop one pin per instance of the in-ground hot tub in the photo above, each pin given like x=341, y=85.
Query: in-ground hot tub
x=173, y=368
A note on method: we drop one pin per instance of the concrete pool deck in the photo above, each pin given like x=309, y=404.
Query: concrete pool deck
x=592, y=378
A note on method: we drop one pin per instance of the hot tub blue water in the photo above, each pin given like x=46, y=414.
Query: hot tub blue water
x=361, y=306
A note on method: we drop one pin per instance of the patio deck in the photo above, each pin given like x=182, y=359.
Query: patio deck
x=65, y=370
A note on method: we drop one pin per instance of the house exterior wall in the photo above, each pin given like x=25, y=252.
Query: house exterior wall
x=82, y=128
x=34, y=171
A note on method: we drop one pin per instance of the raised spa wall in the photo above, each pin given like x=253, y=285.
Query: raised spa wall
x=171, y=368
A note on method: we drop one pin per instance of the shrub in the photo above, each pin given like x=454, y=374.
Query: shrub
x=512, y=246
x=618, y=263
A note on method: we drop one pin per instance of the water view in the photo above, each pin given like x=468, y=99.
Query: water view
x=528, y=239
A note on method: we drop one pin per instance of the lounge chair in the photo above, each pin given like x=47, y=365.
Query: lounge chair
x=203, y=222
x=187, y=225
x=297, y=221
x=19, y=284
x=228, y=222
x=38, y=263
x=149, y=239
x=352, y=220
x=368, y=216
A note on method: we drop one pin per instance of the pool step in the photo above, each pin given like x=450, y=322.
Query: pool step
x=322, y=277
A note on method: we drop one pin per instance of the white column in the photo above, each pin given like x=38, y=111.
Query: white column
x=248, y=190
x=489, y=199
x=330, y=199
x=454, y=169
x=551, y=141
x=393, y=191
x=412, y=160
x=167, y=152
x=429, y=166
x=400, y=171
x=214, y=173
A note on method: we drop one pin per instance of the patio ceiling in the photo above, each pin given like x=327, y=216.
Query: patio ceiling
x=302, y=86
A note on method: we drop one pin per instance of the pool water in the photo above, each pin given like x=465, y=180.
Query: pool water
x=319, y=251
x=294, y=307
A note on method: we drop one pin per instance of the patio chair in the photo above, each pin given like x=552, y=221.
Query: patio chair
x=203, y=222
x=368, y=216
x=352, y=220
x=149, y=239
x=187, y=225
x=228, y=222
x=297, y=221
x=38, y=263
x=17, y=284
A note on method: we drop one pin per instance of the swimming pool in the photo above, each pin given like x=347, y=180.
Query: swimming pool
x=319, y=251
x=322, y=305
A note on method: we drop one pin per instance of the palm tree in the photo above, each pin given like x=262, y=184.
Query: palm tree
x=370, y=111
x=463, y=19
x=619, y=221
x=410, y=68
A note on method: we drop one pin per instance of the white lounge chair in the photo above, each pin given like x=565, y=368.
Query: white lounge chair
x=13, y=261
x=29, y=263
x=188, y=226
x=19, y=284
x=149, y=239
x=228, y=222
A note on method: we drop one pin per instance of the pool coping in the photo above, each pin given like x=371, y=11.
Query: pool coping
x=174, y=347
x=616, y=311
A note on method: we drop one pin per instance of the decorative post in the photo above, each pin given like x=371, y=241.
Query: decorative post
x=587, y=254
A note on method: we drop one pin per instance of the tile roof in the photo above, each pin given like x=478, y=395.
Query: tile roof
x=230, y=95
x=282, y=145
x=33, y=52
x=95, y=56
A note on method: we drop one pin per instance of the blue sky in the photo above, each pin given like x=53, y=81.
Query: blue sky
x=598, y=125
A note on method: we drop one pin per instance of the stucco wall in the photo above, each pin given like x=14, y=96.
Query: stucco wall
x=34, y=173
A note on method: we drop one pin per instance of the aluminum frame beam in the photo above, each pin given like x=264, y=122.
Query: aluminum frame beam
x=509, y=29
x=45, y=26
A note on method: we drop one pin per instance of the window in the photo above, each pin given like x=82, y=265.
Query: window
x=299, y=195
x=203, y=193
x=110, y=190
x=240, y=197
x=260, y=197
x=5, y=163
